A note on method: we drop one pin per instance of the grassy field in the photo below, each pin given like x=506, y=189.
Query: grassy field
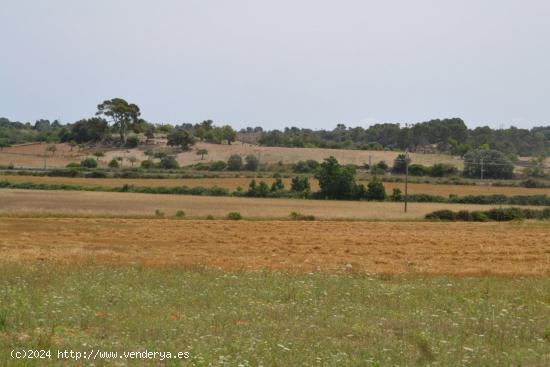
x=243, y=182
x=373, y=247
x=273, y=319
x=131, y=204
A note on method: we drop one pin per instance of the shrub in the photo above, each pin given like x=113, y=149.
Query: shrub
x=159, y=214
x=463, y=215
x=218, y=166
x=234, y=216
x=478, y=216
x=73, y=165
x=376, y=190
x=88, y=163
x=418, y=170
x=300, y=184
x=300, y=216
x=114, y=163
x=442, y=215
x=252, y=163
x=400, y=163
x=278, y=185
x=505, y=214
x=147, y=164
x=396, y=195
x=442, y=169
x=180, y=214
x=96, y=174
x=210, y=217
x=132, y=141
x=169, y=162
x=234, y=163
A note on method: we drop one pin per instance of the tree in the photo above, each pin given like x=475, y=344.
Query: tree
x=88, y=163
x=89, y=130
x=113, y=163
x=376, y=190
x=300, y=184
x=202, y=153
x=487, y=163
x=123, y=115
x=536, y=167
x=278, y=184
x=132, y=160
x=228, y=134
x=400, y=163
x=4, y=144
x=336, y=181
x=252, y=162
x=181, y=138
x=169, y=162
x=234, y=163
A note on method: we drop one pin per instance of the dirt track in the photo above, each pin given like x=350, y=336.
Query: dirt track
x=376, y=247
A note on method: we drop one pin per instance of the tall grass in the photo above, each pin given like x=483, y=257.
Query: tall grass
x=276, y=319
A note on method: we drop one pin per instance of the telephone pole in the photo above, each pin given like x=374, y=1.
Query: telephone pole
x=481, y=167
x=406, y=179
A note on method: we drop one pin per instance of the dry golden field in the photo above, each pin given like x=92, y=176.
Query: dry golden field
x=375, y=247
x=131, y=204
x=32, y=155
x=233, y=183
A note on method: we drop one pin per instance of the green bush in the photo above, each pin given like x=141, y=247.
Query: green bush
x=114, y=163
x=478, y=216
x=505, y=214
x=442, y=215
x=218, y=166
x=88, y=163
x=234, y=216
x=376, y=190
x=132, y=141
x=300, y=216
x=159, y=213
x=418, y=170
x=209, y=217
x=396, y=195
x=180, y=214
x=234, y=163
x=147, y=164
x=169, y=162
x=73, y=165
x=96, y=174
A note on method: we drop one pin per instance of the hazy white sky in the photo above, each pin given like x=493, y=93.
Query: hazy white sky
x=309, y=63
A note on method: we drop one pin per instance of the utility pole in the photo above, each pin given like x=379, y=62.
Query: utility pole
x=481, y=168
x=406, y=179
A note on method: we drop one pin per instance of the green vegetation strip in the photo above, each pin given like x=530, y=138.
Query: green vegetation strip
x=533, y=200
x=274, y=319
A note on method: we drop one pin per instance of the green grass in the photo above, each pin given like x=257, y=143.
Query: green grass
x=275, y=319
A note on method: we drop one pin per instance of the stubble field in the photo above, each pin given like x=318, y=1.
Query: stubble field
x=372, y=247
x=88, y=203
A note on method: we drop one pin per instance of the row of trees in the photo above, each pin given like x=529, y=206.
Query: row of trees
x=445, y=136
x=114, y=116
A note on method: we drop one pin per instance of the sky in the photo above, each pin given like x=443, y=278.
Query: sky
x=306, y=63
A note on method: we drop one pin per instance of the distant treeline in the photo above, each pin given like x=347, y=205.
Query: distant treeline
x=444, y=136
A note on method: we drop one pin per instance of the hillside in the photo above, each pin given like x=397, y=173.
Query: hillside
x=32, y=155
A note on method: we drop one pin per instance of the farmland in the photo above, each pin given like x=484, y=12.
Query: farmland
x=32, y=155
x=364, y=284
x=232, y=183
x=69, y=203
x=372, y=247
